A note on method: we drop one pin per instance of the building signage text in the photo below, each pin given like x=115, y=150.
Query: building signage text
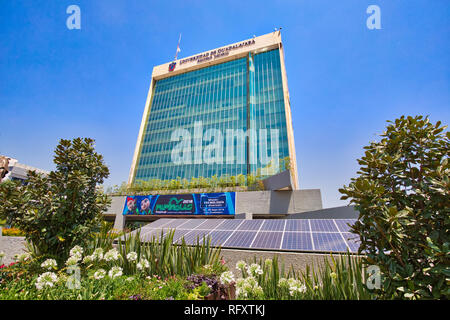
x=214, y=54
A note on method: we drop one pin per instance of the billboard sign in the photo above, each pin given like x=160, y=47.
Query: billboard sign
x=222, y=203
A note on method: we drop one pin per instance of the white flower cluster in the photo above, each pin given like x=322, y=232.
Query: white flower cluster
x=112, y=255
x=76, y=253
x=47, y=279
x=99, y=274
x=248, y=288
x=22, y=257
x=143, y=264
x=132, y=256
x=87, y=259
x=115, y=272
x=49, y=264
x=73, y=260
x=227, y=277
x=241, y=265
x=254, y=269
x=294, y=286
x=97, y=255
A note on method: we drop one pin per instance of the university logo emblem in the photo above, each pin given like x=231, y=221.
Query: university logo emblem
x=172, y=66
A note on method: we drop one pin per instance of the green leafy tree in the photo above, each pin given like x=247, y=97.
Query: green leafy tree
x=402, y=195
x=60, y=210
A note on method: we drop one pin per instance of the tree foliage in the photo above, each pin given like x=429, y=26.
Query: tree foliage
x=60, y=210
x=402, y=195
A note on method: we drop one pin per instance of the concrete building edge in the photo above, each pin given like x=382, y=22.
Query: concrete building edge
x=289, y=125
x=144, y=122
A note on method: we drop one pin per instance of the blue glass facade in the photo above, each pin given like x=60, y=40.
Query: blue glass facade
x=239, y=94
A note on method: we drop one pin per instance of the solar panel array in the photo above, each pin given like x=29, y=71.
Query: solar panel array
x=324, y=235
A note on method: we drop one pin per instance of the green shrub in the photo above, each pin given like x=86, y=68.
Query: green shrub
x=402, y=194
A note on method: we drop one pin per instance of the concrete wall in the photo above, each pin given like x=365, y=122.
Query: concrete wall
x=298, y=261
x=116, y=208
x=344, y=212
x=278, y=202
x=282, y=180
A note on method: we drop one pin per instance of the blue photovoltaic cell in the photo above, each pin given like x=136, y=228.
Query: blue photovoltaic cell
x=267, y=240
x=158, y=223
x=210, y=224
x=323, y=225
x=297, y=241
x=250, y=225
x=297, y=225
x=192, y=224
x=153, y=233
x=241, y=239
x=342, y=224
x=178, y=234
x=163, y=222
x=191, y=237
x=177, y=223
x=352, y=241
x=219, y=237
x=273, y=225
x=329, y=242
x=229, y=224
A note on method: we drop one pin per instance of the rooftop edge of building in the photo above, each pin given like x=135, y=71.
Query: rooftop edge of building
x=218, y=55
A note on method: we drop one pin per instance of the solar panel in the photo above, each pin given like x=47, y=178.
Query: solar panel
x=192, y=223
x=241, y=239
x=267, y=240
x=323, y=225
x=191, y=237
x=152, y=234
x=230, y=224
x=219, y=237
x=175, y=223
x=178, y=234
x=250, y=225
x=329, y=242
x=297, y=225
x=211, y=224
x=297, y=241
x=324, y=235
x=273, y=225
x=343, y=224
x=352, y=241
x=160, y=222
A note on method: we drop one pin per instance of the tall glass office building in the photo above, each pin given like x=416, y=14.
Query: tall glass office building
x=222, y=112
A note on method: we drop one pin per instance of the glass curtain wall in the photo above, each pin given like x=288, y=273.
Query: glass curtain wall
x=216, y=96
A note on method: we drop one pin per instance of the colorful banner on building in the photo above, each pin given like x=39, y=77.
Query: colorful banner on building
x=222, y=203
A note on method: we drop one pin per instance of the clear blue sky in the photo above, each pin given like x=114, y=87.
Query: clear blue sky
x=345, y=80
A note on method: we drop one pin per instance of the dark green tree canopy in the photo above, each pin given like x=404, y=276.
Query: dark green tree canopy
x=402, y=195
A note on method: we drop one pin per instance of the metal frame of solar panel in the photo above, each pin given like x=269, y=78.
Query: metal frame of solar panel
x=309, y=235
